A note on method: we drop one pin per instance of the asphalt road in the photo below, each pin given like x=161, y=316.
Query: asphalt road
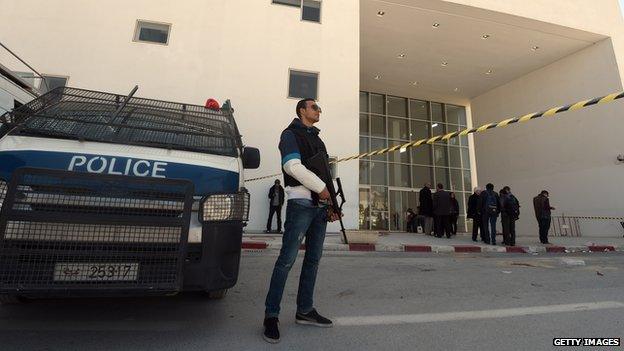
x=391, y=301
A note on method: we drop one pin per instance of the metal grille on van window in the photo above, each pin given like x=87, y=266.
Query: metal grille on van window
x=93, y=116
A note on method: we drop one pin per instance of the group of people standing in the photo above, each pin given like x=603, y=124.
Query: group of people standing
x=437, y=213
x=484, y=207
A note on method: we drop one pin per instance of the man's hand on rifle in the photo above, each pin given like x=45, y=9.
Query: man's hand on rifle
x=333, y=216
x=324, y=195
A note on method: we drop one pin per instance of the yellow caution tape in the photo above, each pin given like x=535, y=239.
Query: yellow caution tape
x=546, y=113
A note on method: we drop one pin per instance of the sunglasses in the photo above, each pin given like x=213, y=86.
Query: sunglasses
x=316, y=107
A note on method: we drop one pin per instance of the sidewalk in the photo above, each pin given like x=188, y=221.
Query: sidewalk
x=412, y=242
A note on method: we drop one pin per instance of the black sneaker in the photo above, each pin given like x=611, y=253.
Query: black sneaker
x=313, y=318
x=271, y=330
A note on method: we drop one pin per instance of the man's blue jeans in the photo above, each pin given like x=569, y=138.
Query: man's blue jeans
x=303, y=219
x=489, y=228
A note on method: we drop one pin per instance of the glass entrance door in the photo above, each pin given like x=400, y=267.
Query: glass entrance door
x=400, y=201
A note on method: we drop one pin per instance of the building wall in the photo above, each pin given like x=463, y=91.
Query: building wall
x=235, y=49
x=573, y=155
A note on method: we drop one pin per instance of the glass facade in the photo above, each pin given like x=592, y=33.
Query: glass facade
x=389, y=183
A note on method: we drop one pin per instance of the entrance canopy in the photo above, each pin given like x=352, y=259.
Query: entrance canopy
x=442, y=51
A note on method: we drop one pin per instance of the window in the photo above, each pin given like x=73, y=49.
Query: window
x=294, y=3
x=27, y=77
x=303, y=85
x=311, y=11
x=50, y=82
x=151, y=32
x=387, y=121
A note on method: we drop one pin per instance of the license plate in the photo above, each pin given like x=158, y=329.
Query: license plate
x=74, y=272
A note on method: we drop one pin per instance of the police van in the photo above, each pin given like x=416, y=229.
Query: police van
x=104, y=194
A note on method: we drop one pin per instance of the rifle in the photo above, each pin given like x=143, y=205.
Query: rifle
x=319, y=165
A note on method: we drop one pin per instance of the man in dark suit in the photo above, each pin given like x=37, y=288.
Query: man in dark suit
x=426, y=208
x=442, y=211
x=474, y=212
x=276, y=200
x=541, y=204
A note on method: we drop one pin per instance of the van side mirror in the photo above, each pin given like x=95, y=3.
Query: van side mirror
x=251, y=157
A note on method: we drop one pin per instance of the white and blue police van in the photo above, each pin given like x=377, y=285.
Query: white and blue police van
x=104, y=194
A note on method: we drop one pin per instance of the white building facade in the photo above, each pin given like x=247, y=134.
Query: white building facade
x=384, y=72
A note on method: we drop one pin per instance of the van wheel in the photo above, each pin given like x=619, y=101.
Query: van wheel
x=12, y=299
x=217, y=294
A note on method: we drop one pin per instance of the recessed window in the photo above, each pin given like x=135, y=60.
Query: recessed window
x=151, y=32
x=311, y=11
x=52, y=82
x=302, y=85
x=294, y=3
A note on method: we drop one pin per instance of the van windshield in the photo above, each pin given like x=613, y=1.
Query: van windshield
x=69, y=113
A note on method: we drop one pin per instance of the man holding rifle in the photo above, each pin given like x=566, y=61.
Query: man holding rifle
x=308, y=210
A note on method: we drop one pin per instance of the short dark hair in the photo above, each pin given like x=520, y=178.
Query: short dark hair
x=489, y=186
x=303, y=104
x=440, y=186
x=543, y=192
x=506, y=188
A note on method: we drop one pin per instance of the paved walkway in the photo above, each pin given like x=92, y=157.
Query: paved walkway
x=411, y=242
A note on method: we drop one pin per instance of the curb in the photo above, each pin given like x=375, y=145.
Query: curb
x=260, y=245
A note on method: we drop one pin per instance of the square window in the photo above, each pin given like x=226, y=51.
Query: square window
x=466, y=157
x=311, y=11
x=397, y=128
x=421, y=155
x=378, y=104
x=379, y=198
x=455, y=156
x=437, y=114
x=397, y=106
x=378, y=126
x=379, y=173
x=421, y=175
x=398, y=156
x=420, y=130
x=456, y=180
x=440, y=155
x=400, y=175
x=377, y=144
x=303, y=85
x=418, y=110
x=442, y=176
x=438, y=129
x=456, y=114
x=452, y=129
x=293, y=3
x=467, y=180
x=151, y=32
x=52, y=82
